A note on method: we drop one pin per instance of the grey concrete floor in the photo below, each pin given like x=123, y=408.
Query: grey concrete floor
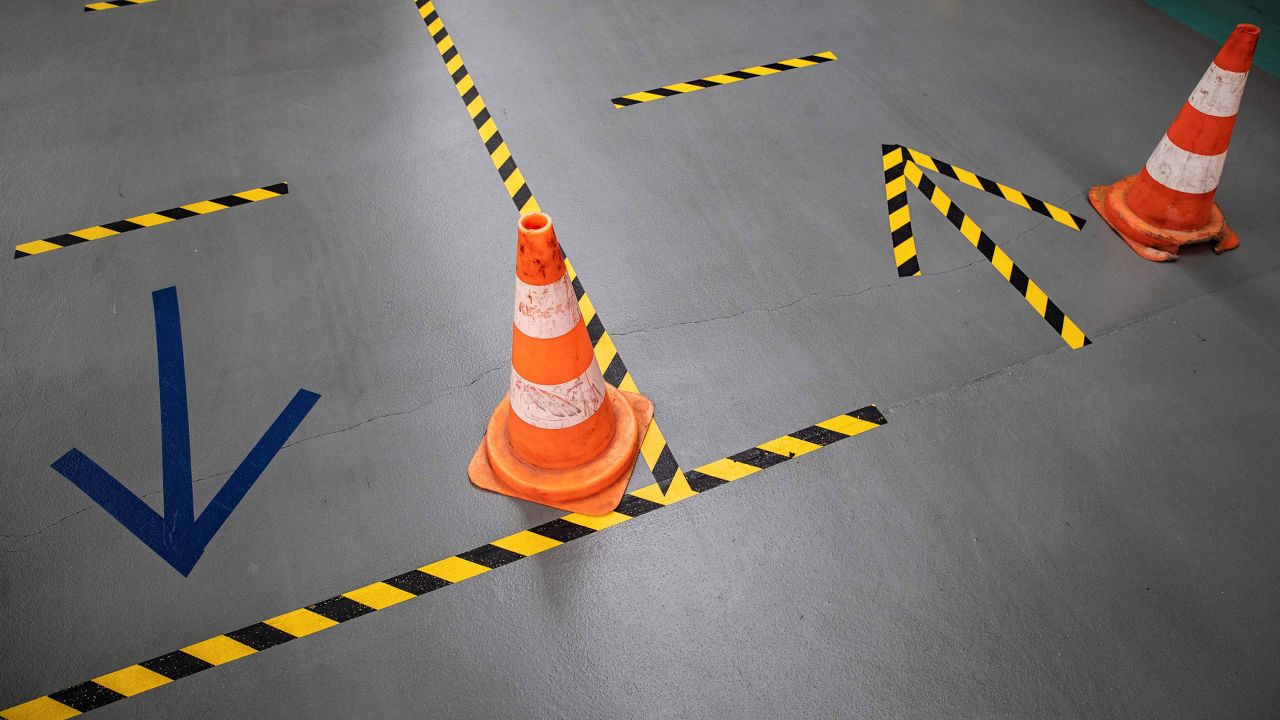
x=1038, y=532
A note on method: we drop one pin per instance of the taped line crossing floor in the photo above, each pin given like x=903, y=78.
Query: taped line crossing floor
x=222, y=649
x=113, y=4
x=657, y=454
x=722, y=79
x=499, y=153
x=160, y=217
x=898, y=170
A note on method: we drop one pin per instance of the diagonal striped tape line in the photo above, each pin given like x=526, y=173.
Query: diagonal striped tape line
x=1000, y=190
x=657, y=454
x=722, y=79
x=113, y=4
x=229, y=647
x=160, y=217
x=899, y=171
x=499, y=153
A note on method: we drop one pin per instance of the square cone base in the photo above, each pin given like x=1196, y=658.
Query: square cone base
x=600, y=503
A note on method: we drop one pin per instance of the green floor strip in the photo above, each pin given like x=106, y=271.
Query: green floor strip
x=1216, y=18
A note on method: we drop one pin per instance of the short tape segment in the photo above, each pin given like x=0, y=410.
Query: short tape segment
x=113, y=4
x=723, y=79
x=662, y=463
x=900, y=167
x=228, y=647
x=160, y=217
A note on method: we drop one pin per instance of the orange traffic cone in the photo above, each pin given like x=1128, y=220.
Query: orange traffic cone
x=562, y=436
x=1169, y=203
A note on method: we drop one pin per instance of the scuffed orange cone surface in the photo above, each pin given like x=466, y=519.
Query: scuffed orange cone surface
x=562, y=436
x=1170, y=201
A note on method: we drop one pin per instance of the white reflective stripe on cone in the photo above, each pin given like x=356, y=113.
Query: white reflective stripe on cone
x=546, y=311
x=1219, y=92
x=555, y=407
x=1184, y=171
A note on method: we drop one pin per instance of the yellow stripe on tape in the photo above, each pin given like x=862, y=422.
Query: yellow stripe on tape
x=218, y=650
x=526, y=543
x=904, y=251
x=379, y=595
x=728, y=78
x=35, y=247
x=301, y=622
x=454, y=569
x=846, y=425
x=94, y=233
x=204, y=207
x=42, y=708
x=628, y=384
x=597, y=522
x=789, y=446
x=726, y=469
x=152, y=219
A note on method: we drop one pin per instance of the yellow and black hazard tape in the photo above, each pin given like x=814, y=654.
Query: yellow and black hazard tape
x=898, y=170
x=904, y=248
x=499, y=153
x=113, y=4
x=222, y=649
x=722, y=79
x=1000, y=190
x=657, y=453
x=160, y=217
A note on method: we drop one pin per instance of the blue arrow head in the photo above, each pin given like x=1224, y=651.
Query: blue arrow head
x=261, y=455
x=178, y=536
x=182, y=544
x=178, y=549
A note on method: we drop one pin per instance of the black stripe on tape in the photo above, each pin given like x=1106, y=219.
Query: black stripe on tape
x=416, y=582
x=340, y=609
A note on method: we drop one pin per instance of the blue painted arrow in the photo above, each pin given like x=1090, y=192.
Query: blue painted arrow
x=179, y=537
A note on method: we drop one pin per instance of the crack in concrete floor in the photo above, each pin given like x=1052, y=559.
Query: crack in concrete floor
x=843, y=296
x=444, y=392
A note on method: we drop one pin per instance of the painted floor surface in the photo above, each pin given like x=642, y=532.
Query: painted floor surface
x=1037, y=531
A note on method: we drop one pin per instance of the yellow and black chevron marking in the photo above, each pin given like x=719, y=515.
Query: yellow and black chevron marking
x=723, y=79
x=499, y=153
x=904, y=247
x=1000, y=190
x=225, y=648
x=898, y=170
x=657, y=454
x=113, y=4
x=204, y=207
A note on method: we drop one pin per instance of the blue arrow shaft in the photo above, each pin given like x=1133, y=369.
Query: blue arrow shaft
x=175, y=428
